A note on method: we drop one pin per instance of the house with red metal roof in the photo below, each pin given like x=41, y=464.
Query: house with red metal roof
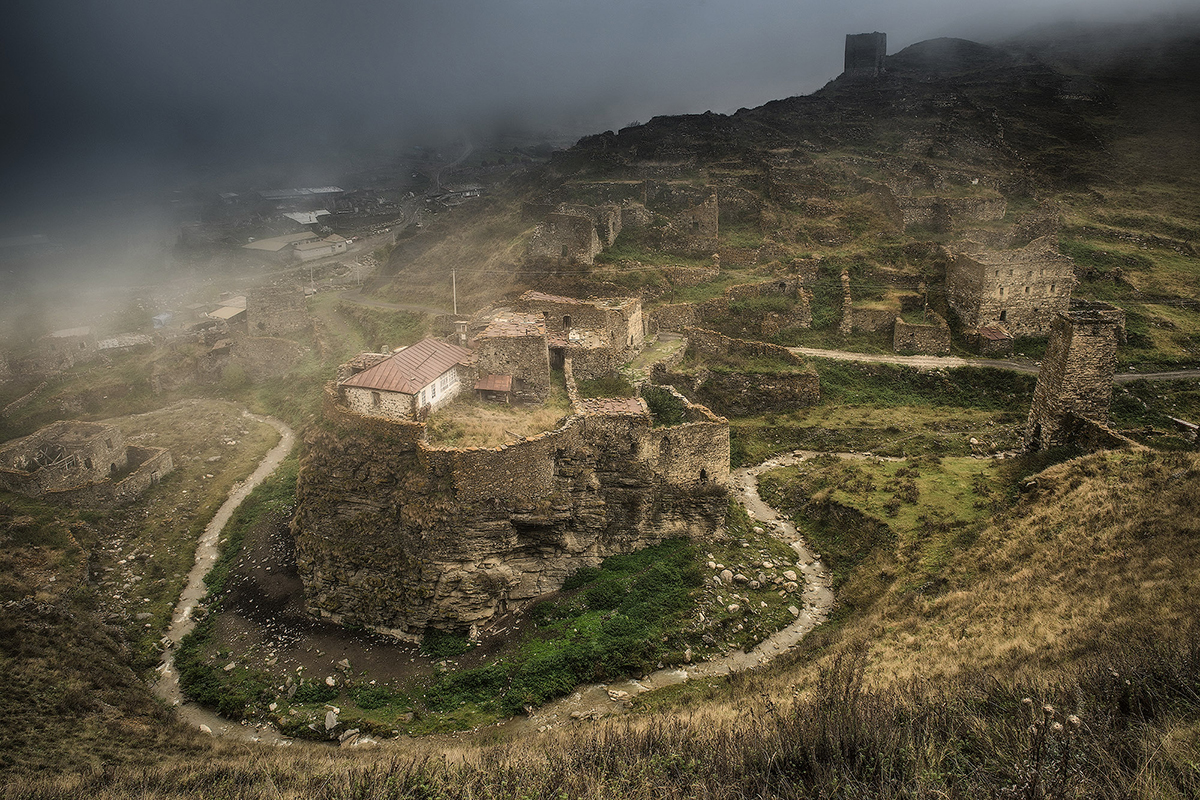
x=411, y=382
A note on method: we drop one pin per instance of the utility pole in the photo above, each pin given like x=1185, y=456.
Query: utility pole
x=454, y=288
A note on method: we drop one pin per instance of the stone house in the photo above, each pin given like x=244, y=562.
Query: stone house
x=598, y=335
x=410, y=383
x=568, y=236
x=515, y=345
x=1019, y=290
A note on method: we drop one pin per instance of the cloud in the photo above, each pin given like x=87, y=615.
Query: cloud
x=196, y=82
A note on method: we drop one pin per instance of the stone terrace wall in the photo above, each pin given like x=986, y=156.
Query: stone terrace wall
x=872, y=320
x=928, y=339
x=742, y=393
x=679, y=316
x=713, y=343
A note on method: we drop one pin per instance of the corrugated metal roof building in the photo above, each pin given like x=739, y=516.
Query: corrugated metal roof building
x=411, y=382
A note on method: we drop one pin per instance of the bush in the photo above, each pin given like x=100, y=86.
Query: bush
x=665, y=408
x=443, y=644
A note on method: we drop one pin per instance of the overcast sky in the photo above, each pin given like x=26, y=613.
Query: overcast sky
x=136, y=90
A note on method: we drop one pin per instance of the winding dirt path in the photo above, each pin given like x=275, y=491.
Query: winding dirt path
x=167, y=687
x=597, y=700
x=588, y=701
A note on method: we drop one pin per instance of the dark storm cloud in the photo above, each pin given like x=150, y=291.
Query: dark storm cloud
x=131, y=89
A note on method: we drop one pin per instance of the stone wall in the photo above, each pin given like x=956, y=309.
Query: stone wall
x=265, y=356
x=741, y=393
x=594, y=362
x=397, y=536
x=931, y=338
x=565, y=236
x=872, y=320
x=525, y=358
x=678, y=316
x=943, y=213
x=276, y=310
x=374, y=403
x=1076, y=375
x=1019, y=290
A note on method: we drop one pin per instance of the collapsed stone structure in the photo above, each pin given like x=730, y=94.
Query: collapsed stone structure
x=931, y=337
x=736, y=300
x=276, y=310
x=1074, y=387
x=734, y=391
x=1018, y=290
x=597, y=335
x=397, y=535
x=81, y=462
x=567, y=236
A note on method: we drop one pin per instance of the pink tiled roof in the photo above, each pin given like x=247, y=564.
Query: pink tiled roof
x=412, y=369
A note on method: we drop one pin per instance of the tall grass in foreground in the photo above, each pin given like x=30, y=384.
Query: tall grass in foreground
x=1124, y=726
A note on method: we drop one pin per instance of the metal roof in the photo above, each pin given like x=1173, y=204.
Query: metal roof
x=277, y=243
x=411, y=369
x=495, y=383
x=226, y=312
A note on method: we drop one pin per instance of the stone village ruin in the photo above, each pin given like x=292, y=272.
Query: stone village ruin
x=396, y=534
x=81, y=462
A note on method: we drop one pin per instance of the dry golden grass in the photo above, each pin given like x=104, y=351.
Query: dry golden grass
x=468, y=422
x=1103, y=547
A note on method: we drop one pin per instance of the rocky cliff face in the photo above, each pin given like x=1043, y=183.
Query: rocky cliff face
x=398, y=537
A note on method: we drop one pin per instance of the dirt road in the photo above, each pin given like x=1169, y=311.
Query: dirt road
x=182, y=621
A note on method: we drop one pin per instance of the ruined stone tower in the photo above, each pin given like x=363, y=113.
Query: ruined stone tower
x=864, y=54
x=1076, y=378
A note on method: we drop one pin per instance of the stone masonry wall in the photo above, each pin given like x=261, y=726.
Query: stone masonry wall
x=276, y=310
x=928, y=339
x=1076, y=375
x=678, y=316
x=525, y=358
x=741, y=393
x=565, y=236
x=1021, y=290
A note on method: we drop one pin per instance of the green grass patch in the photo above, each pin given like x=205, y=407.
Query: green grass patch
x=610, y=624
x=607, y=386
x=237, y=692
